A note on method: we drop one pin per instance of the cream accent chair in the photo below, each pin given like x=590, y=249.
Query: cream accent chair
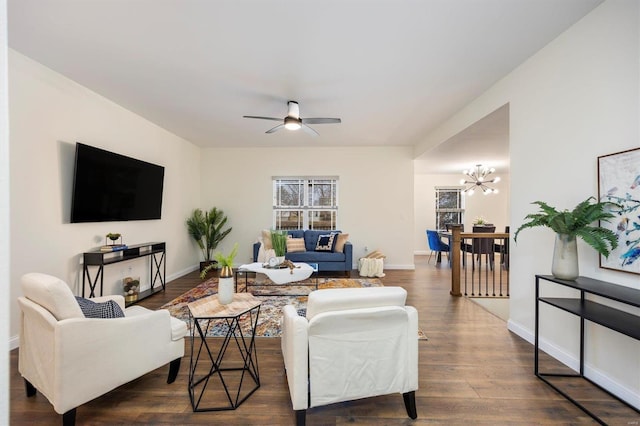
x=354, y=343
x=71, y=359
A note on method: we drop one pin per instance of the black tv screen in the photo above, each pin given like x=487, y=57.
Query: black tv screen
x=112, y=187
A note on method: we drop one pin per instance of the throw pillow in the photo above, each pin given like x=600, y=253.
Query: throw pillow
x=340, y=241
x=91, y=309
x=266, y=239
x=295, y=245
x=326, y=242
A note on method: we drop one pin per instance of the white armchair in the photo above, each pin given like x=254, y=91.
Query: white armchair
x=71, y=359
x=353, y=343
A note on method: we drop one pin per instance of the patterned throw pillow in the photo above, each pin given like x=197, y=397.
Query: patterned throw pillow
x=326, y=242
x=91, y=309
x=295, y=245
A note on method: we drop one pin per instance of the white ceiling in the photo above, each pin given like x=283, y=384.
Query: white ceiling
x=393, y=70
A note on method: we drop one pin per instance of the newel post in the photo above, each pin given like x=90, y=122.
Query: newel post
x=455, y=260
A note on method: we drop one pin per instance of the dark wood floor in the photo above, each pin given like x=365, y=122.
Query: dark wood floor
x=472, y=371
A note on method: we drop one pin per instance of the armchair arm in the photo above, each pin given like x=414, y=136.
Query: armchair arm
x=348, y=254
x=94, y=356
x=295, y=350
x=412, y=350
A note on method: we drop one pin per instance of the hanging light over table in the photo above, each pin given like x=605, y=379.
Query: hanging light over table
x=477, y=179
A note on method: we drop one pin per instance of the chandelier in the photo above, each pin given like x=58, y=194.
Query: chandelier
x=478, y=178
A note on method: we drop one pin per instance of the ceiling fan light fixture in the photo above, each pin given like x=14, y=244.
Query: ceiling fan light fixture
x=291, y=123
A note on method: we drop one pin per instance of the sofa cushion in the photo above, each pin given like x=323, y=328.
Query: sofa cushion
x=311, y=238
x=296, y=233
x=295, y=245
x=326, y=242
x=341, y=240
x=266, y=239
x=315, y=256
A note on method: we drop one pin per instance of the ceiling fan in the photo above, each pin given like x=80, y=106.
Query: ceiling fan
x=293, y=121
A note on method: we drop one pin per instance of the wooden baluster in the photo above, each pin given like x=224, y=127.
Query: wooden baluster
x=455, y=260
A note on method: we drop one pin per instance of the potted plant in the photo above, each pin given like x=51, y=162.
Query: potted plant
x=225, y=281
x=206, y=228
x=279, y=244
x=571, y=224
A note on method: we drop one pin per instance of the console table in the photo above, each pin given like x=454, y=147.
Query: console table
x=588, y=310
x=97, y=260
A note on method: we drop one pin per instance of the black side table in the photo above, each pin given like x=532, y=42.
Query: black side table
x=233, y=380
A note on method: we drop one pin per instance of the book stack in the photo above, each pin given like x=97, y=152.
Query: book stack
x=113, y=247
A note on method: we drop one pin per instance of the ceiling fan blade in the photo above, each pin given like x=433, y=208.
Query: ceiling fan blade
x=262, y=118
x=318, y=120
x=275, y=129
x=309, y=130
x=294, y=109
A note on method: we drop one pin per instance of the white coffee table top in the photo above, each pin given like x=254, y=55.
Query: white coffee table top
x=302, y=271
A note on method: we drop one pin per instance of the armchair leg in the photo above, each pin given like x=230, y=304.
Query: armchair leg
x=69, y=418
x=301, y=417
x=410, y=404
x=31, y=391
x=174, y=367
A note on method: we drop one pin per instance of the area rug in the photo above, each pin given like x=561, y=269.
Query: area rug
x=271, y=308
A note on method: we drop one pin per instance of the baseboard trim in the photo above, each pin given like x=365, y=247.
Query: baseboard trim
x=182, y=273
x=631, y=396
x=14, y=342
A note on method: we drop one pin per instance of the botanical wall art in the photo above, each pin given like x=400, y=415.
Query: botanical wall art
x=619, y=182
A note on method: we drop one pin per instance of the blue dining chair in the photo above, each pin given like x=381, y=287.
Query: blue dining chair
x=436, y=245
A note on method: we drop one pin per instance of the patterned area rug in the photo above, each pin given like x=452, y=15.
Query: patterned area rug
x=271, y=308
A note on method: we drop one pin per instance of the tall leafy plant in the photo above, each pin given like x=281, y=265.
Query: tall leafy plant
x=577, y=222
x=279, y=242
x=207, y=229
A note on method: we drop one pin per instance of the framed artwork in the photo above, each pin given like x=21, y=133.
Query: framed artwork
x=619, y=182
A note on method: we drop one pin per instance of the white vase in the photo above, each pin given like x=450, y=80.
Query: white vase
x=565, y=257
x=226, y=286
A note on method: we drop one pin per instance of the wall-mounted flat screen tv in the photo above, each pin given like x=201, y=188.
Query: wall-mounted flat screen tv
x=112, y=187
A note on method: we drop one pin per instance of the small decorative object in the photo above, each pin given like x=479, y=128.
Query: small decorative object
x=131, y=288
x=619, y=182
x=571, y=224
x=113, y=237
x=279, y=244
x=479, y=221
x=226, y=286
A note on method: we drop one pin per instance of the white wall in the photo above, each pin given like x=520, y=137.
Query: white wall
x=5, y=299
x=375, y=193
x=494, y=208
x=574, y=100
x=49, y=113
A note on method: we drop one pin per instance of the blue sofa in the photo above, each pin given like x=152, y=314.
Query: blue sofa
x=326, y=261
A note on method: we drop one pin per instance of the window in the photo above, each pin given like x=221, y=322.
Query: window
x=449, y=206
x=305, y=203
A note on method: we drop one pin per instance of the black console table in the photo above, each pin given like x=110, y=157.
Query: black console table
x=97, y=260
x=614, y=319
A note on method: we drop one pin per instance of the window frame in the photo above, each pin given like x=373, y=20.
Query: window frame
x=460, y=210
x=305, y=211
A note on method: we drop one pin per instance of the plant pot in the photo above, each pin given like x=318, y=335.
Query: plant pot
x=565, y=257
x=226, y=286
x=206, y=263
x=131, y=288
